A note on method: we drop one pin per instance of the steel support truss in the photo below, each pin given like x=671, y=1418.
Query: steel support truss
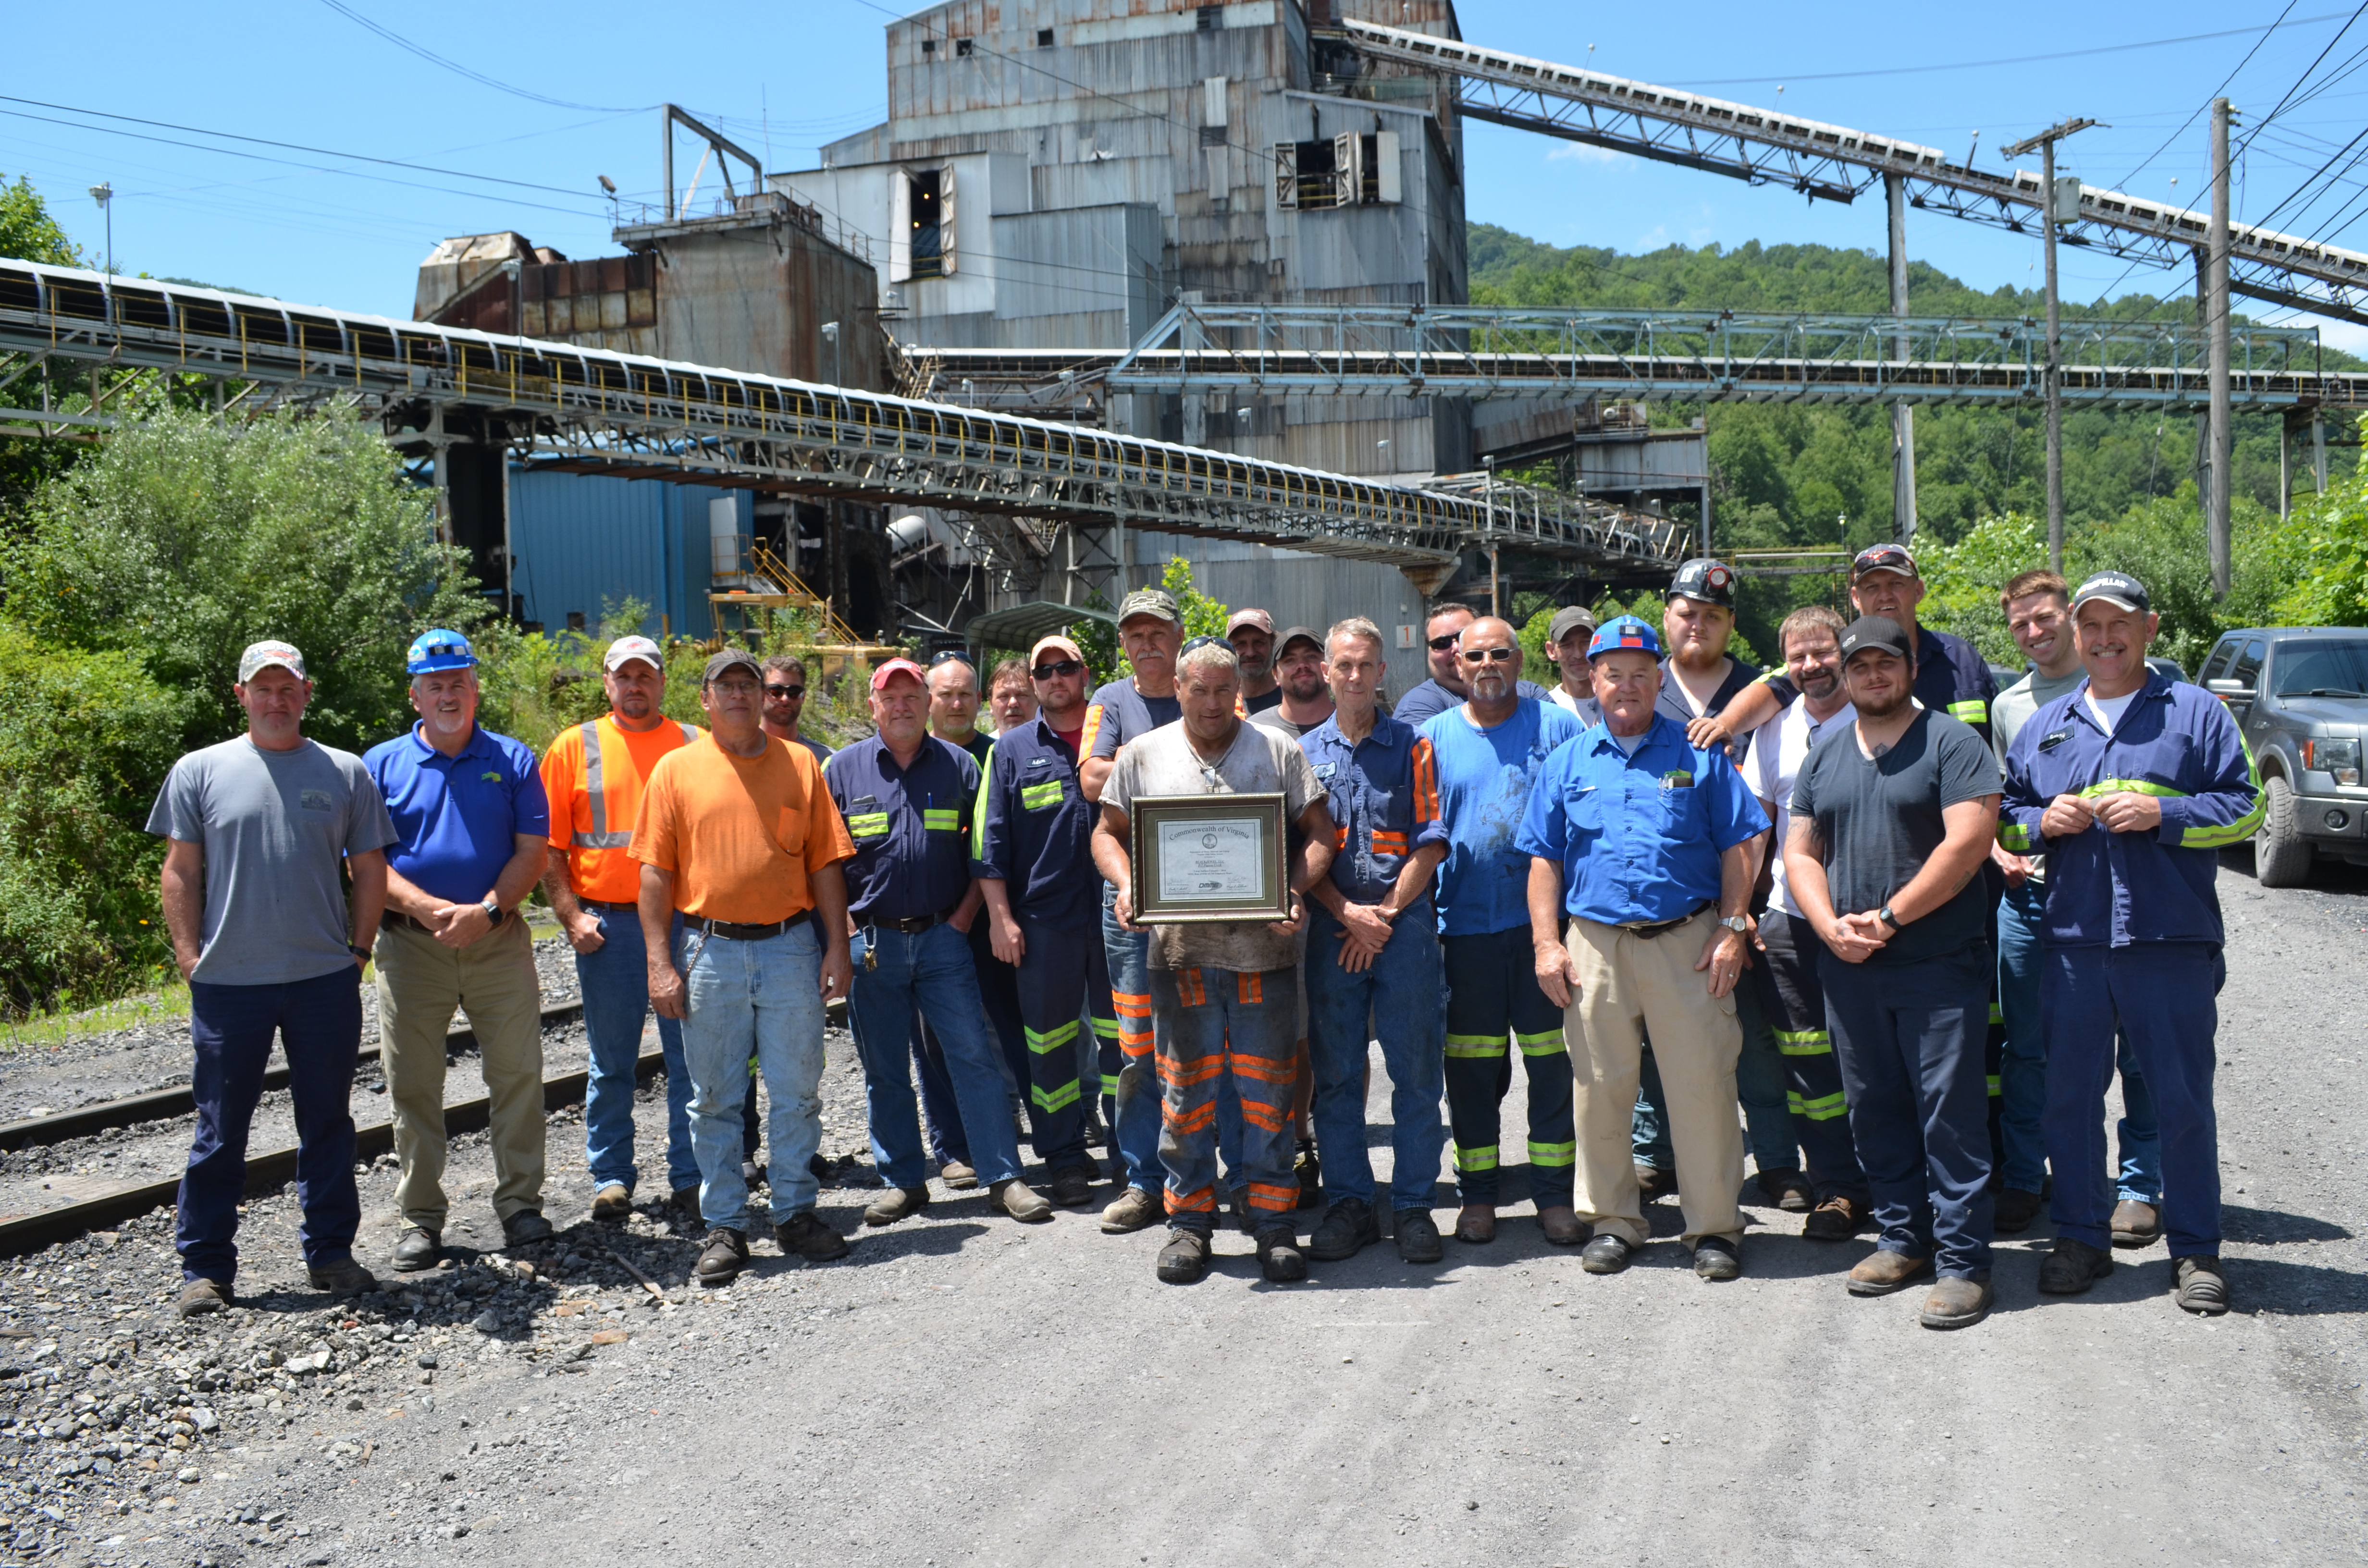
x=599, y=411
x=1576, y=356
x=1836, y=163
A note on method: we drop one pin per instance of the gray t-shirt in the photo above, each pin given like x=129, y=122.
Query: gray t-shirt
x=1260, y=761
x=2017, y=706
x=274, y=825
x=1272, y=719
x=1880, y=820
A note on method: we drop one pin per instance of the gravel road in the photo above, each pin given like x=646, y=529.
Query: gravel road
x=965, y=1390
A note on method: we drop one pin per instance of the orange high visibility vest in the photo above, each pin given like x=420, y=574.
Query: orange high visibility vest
x=594, y=778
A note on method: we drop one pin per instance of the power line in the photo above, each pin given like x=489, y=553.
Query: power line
x=460, y=70
x=2306, y=75
x=2123, y=182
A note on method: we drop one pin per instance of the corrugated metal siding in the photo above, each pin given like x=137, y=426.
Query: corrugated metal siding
x=1296, y=589
x=586, y=542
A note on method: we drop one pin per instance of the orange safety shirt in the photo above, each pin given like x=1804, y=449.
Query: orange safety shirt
x=743, y=835
x=594, y=774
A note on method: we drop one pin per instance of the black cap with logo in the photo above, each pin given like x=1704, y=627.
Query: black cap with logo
x=2114, y=588
x=1876, y=632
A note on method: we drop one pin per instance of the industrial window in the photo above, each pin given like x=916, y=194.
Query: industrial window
x=921, y=223
x=1043, y=37
x=961, y=47
x=929, y=46
x=574, y=620
x=1209, y=19
x=1347, y=170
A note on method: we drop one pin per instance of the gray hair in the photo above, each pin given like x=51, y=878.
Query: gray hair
x=1355, y=626
x=1217, y=654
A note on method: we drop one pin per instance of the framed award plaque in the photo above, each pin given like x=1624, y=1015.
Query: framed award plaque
x=1203, y=858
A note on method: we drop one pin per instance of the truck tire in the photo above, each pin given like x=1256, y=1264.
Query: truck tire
x=2281, y=855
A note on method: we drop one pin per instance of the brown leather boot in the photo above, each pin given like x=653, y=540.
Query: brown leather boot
x=1562, y=1225
x=1881, y=1273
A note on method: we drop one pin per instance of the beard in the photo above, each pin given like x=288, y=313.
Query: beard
x=1882, y=708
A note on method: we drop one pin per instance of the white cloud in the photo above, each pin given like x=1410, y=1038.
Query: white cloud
x=1586, y=153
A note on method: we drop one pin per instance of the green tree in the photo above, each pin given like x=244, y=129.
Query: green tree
x=2328, y=543
x=1204, y=617
x=27, y=232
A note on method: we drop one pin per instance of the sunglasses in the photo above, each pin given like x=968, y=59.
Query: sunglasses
x=1060, y=667
x=949, y=655
x=1440, y=643
x=1492, y=655
x=1199, y=643
x=790, y=692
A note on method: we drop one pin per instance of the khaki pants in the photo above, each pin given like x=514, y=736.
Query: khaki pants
x=1629, y=983
x=421, y=983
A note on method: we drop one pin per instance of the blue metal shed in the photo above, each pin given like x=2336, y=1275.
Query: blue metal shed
x=587, y=540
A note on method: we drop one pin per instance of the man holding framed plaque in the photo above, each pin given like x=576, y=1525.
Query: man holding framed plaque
x=1197, y=835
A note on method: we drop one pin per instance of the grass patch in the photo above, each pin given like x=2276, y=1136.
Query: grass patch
x=161, y=1006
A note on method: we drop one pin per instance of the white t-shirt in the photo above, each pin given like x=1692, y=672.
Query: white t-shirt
x=2108, y=710
x=1779, y=747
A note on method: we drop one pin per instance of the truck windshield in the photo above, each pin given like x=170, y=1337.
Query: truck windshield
x=2332, y=667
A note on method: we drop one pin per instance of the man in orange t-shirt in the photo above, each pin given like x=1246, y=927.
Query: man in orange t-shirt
x=738, y=835
x=594, y=774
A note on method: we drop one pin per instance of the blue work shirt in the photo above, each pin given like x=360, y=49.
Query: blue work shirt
x=2176, y=743
x=1638, y=834
x=1483, y=789
x=1031, y=827
x=1383, y=792
x=457, y=818
x=910, y=827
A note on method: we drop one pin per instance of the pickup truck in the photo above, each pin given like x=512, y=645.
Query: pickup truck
x=2300, y=696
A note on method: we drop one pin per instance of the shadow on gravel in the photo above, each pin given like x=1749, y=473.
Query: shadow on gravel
x=938, y=1238
x=2263, y=1227
x=2291, y=1290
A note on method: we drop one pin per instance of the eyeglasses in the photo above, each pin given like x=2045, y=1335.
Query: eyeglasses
x=1440, y=644
x=1059, y=667
x=946, y=655
x=734, y=688
x=788, y=693
x=1492, y=655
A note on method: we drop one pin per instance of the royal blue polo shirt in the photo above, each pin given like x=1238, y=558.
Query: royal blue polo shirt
x=911, y=828
x=1031, y=826
x=457, y=818
x=1638, y=834
x=1383, y=792
x=1484, y=781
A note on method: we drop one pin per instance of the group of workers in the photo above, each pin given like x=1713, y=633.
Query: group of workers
x=1908, y=924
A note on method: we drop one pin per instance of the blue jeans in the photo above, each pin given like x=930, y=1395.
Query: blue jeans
x=760, y=999
x=928, y=972
x=998, y=989
x=1758, y=1084
x=1403, y=993
x=615, y=981
x=1135, y=1122
x=1912, y=1039
x=2166, y=996
x=320, y=1022
x=2024, y=1070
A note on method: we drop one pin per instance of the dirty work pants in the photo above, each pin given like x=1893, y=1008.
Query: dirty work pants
x=998, y=991
x=421, y=983
x=761, y=999
x=1786, y=976
x=1134, y=1114
x=319, y=1023
x=614, y=981
x=1211, y=1025
x=2024, y=1071
x=1400, y=994
x=1627, y=984
x=1493, y=997
x=897, y=974
x=1063, y=975
x=2165, y=995
x=1910, y=1037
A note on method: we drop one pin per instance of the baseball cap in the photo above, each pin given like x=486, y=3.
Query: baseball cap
x=1149, y=601
x=1625, y=632
x=728, y=659
x=1291, y=635
x=1250, y=616
x=261, y=656
x=1712, y=581
x=1876, y=632
x=880, y=676
x=1059, y=644
x=2114, y=588
x=1883, y=558
x=1569, y=619
x=635, y=647
x=438, y=650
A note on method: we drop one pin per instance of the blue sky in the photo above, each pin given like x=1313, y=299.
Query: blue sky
x=322, y=226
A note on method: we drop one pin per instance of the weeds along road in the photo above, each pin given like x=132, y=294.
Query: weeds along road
x=967, y=1391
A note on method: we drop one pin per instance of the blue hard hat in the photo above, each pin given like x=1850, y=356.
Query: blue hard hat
x=1624, y=632
x=438, y=650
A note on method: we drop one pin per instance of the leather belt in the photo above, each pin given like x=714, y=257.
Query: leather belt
x=913, y=927
x=734, y=931
x=612, y=908
x=1650, y=930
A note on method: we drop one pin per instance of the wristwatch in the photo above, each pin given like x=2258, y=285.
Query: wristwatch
x=1888, y=918
x=1738, y=923
x=358, y=951
x=493, y=908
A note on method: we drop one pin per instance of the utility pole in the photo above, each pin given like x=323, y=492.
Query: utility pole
x=1903, y=414
x=2215, y=514
x=2053, y=209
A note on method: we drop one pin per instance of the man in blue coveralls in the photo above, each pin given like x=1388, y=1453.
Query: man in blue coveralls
x=2133, y=783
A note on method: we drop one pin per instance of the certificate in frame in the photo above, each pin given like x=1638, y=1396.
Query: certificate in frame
x=1203, y=859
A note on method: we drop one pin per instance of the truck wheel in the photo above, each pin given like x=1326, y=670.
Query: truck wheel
x=2281, y=855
